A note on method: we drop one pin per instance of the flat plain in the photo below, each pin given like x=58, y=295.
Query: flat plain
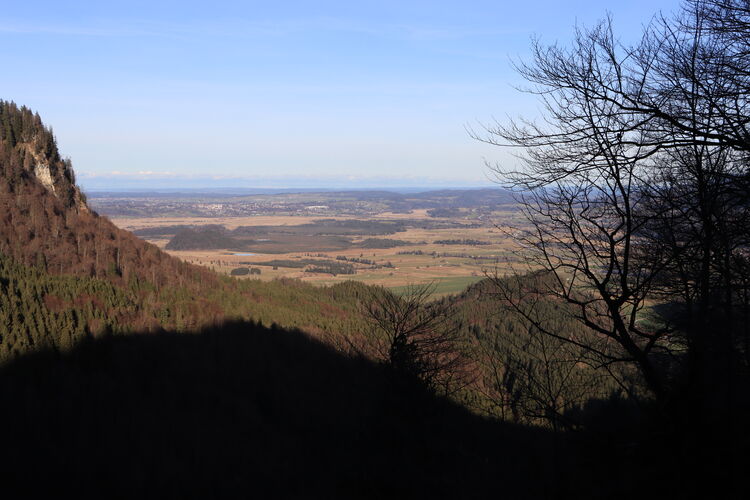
x=450, y=248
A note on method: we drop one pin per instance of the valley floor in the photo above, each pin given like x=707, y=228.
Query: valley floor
x=419, y=259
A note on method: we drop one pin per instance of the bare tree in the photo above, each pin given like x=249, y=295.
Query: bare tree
x=584, y=169
x=696, y=75
x=635, y=183
x=418, y=338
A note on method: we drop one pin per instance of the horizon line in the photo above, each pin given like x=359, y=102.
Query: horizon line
x=452, y=187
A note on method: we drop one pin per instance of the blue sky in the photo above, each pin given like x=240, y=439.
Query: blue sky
x=281, y=93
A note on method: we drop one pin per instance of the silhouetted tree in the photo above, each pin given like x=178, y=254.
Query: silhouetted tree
x=634, y=188
x=418, y=338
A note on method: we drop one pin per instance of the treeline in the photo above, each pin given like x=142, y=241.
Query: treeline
x=293, y=263
x=489, y=258
x=332, y=267
x=436, y=255
x=244, y=271
x=465, y=241
x=382, y=243
x=367, y=262
x=357, y=260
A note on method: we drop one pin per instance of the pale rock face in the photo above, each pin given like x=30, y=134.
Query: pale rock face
x=45, y=177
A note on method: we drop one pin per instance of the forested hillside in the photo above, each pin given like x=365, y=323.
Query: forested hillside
x=67, y=273
x=40, y=310
x=45, y=220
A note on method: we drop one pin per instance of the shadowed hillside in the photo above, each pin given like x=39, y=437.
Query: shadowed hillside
x=242, y=410
x=39, y=310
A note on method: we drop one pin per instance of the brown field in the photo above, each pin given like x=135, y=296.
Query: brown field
x=450, y=274
x=134, y=223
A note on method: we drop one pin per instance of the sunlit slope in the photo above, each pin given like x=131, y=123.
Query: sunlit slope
x=66, y=272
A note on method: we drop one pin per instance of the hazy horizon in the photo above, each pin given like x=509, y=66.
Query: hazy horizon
x=115, y=183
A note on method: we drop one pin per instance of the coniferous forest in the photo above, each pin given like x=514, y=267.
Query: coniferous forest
x=615, y=363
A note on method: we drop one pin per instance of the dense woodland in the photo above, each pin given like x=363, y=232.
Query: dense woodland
x=321, y=235
x=615, y=364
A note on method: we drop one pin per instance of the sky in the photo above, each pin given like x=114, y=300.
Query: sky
x=283, y=94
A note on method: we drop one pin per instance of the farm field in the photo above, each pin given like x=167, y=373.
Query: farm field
x=451, y=252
